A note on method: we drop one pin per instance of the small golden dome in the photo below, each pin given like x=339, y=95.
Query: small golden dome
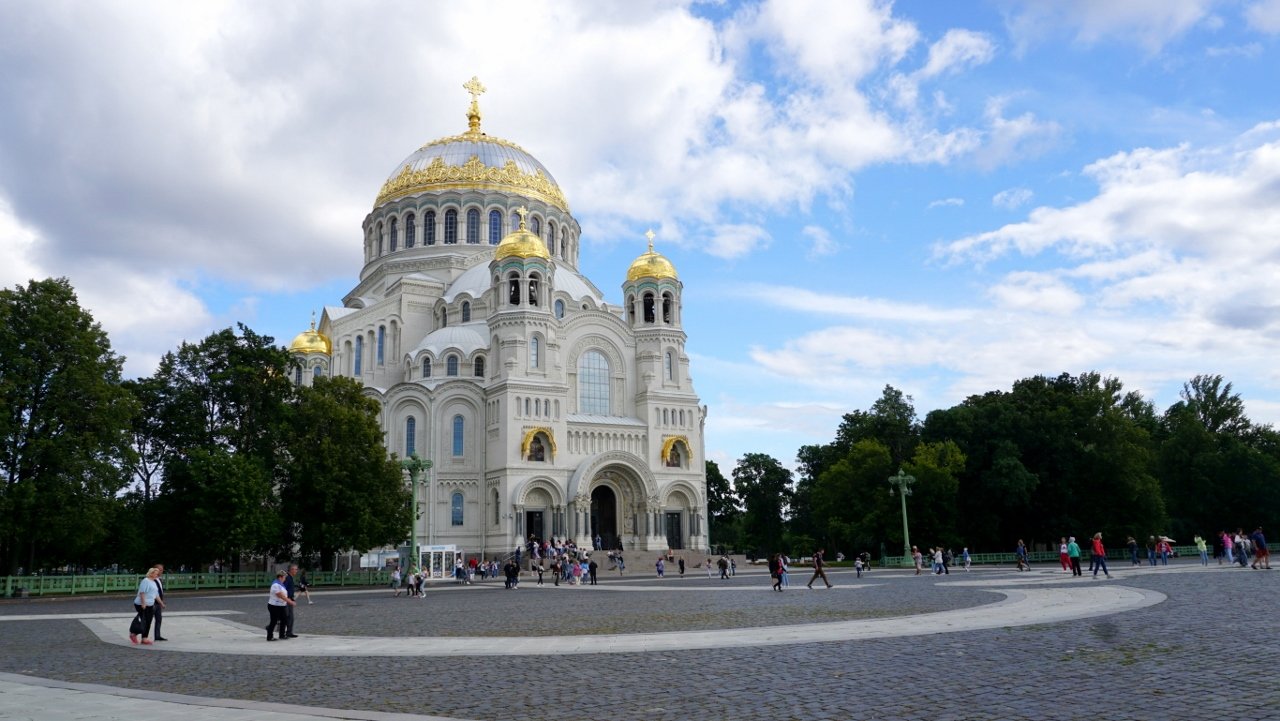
x=311, y=341
x=521, y=243
x=651, y=265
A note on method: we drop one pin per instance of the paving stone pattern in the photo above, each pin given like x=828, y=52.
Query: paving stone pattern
x=1162, y=662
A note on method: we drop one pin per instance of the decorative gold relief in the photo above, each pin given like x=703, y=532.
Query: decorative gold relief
x=670, y=443
x=471, y=175
x=530, y=434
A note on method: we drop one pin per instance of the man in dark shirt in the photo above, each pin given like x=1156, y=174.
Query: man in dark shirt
x=1261, y=559
x=291, y=588
x=817, y=569
x=159, y=612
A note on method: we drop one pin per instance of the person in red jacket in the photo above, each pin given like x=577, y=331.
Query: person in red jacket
x=1099, y=556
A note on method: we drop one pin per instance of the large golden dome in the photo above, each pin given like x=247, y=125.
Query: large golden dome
x=472, y=161
x=521, y=243
x=311, y=341
x=651, y=264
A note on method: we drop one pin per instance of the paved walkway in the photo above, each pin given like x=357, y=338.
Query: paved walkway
x=1021, y=607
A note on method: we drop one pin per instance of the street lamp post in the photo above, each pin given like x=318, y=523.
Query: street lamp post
x=415, y=466
x=902, y=483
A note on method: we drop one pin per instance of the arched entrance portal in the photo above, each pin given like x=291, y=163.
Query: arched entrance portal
x=604, y=516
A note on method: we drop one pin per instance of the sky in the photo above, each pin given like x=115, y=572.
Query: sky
x=944, y=197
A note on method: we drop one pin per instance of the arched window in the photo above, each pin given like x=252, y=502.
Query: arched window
x=473, y=226
x=666, y=308
x=455, y=509
x=458, y=430
x=648, y=308
x=536, y=227
x=395, y=234
x=451, y=366
x=444, y=317
x=410, y=230
x=410, y=436
x=528, y=407
x=495, y=227
x=533, y=290
x=429, y=228
x=537, y=406
x=317, y=372
x=513, y=289
x=382, y=343
x=478, y=366
x=559, y=308
x=426, y=367
x=379, y=238
x=551, y=236
x=359, y=356
x=535, y=353
x=466, y=311
x=593, y=383
x=668, y=366
x=496, y=508
x=297, y=376
x=450, y=227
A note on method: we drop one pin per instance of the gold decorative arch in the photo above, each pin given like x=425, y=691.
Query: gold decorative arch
x=671, y=442
x=528, y=439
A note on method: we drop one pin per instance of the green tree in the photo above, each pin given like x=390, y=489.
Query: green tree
x=341, y=491
x=224, y=412
x=851, y=499
x=764, y=485
x=62, y=432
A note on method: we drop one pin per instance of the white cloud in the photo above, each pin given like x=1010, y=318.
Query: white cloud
x=958, y=50
x=1264, y=16
x=733, y=240
x=1012, y=198
x=946, y=202
x=821, y=243
x=1036, y=292
x=1148, y=23
x=827, y=304
x=1012, y=139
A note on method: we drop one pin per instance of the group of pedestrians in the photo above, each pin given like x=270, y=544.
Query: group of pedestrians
x=1239, y=547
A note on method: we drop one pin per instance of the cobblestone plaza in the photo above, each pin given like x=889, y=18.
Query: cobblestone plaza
x=1182, y=642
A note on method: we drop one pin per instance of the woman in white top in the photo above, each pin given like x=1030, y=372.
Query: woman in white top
x=145, y=603
x=277, y=600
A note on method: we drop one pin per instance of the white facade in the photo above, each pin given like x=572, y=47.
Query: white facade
x=544, y=410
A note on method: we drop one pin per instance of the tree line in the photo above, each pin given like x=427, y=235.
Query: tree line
x=1052, y=457
x=216, y=455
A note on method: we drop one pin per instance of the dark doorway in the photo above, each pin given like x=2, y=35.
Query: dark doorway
x=675, y=539
x=533, y=524
x=604, y=516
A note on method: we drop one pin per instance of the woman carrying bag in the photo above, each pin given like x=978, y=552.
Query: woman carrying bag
x=145, y=604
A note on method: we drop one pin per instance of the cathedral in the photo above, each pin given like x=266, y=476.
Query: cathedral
x=545, y=410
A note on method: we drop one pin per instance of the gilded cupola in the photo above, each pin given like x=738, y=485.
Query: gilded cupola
x=311, y=341
x=651, y=264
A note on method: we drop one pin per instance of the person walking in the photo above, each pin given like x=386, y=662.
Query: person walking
x=1073, y=556
x=277, y=601
x=1226, y=549
x=159, y=608
x=1151, y=550
x=968, y=560
x=723, y=563
x=661, y=566
x=1021, y=553
x=1099, y=556
x=304, y=586
x=937, y=560
x=1132, y=543
x=818, y=571
x=1261, y=555
x=1063, y=558
x=775, y=571
x=395, y=580
x=291, y=588
x=708, y=566
x=592, y=567
x=1203, y=548
x=918, y=559
x=679, y=564
x=144, y=602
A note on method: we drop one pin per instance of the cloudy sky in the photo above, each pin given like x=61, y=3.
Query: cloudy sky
x=944, y=197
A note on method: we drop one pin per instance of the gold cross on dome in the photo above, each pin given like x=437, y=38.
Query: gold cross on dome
x=474, y=87
x=522, y=211
x=649, y=234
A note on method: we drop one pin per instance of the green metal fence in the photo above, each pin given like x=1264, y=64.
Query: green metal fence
x=15, y=586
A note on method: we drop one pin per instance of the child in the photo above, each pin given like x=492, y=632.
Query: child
x=540, y=571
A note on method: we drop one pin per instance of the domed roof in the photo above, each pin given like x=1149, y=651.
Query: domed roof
x=471, y=161
x=520, y=243
x=466, y=338
x=651, y=264
x=311, y=341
